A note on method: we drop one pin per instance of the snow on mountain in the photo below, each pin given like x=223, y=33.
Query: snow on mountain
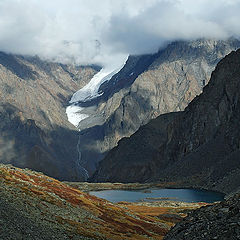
x=88, y=92
x=74, y=114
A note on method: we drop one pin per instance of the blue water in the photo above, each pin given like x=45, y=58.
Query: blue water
x=184, y=195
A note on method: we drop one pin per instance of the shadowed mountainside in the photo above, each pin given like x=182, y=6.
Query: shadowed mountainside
x=34, y=130
x=170, y=79
x=199, y=146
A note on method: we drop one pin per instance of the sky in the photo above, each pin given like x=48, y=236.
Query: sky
x=104, y=32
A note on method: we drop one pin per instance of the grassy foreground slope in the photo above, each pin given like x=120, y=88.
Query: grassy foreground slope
x=34, y=206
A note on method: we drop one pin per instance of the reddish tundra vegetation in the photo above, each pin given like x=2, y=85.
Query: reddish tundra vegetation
x=78, y=214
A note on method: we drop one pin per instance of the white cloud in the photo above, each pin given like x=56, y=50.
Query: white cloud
x=92, y=31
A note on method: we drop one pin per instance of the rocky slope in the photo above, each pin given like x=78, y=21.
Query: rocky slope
x=35, y=133
x=148, y=86
x=199, y=146
x=34, y=130
x=220, y=221
x=34, y=206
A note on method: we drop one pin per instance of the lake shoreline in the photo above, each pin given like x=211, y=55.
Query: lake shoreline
x=88, y=187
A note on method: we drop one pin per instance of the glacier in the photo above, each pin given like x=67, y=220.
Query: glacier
x=90, y=91
x=75, y=113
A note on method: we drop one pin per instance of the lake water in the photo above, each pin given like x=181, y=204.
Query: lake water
x=184, y=195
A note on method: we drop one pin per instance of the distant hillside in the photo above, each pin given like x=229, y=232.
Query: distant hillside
x=34, y=130
x=197, y=147
x=148, y=86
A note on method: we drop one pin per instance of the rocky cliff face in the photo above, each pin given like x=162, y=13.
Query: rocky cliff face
x=220, y=221
x=148, y=86
x=34, y=130
x=199, y=146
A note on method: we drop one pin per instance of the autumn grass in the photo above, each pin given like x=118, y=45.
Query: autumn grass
x=102, y=219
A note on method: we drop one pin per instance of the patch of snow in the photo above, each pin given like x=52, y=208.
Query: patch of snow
x=89, y=92
x=74, y=114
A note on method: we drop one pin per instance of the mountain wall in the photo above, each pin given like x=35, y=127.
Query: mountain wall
x=146, y=87
x=34, y=129
x=197, y=147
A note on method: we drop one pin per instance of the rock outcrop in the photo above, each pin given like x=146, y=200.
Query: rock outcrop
x=220, y=221
x=199, y=146
x=148, y=86
x=34, y=129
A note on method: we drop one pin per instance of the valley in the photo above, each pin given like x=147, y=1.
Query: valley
x=195, y=148
x=119, y=120
x=44, y=208
x=34, y=206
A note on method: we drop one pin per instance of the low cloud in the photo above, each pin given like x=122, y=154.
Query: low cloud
x=104, y=32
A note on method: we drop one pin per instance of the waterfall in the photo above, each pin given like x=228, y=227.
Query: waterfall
x=79, y=164
x=77, y=113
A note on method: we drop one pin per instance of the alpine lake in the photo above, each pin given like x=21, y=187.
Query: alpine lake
x=182, y=195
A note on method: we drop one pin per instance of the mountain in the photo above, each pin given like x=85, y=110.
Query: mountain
x=34, y=129
x=198, y=147
x=144, y=88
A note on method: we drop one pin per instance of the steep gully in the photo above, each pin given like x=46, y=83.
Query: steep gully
x=76, y=111
x=34, y=130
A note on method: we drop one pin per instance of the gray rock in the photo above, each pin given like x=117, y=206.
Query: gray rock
x=34, y=130
x=222, y=228
x=198, y=147
x=163, y=82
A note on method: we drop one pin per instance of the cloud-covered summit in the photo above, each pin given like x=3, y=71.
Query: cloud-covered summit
x=104, y=32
